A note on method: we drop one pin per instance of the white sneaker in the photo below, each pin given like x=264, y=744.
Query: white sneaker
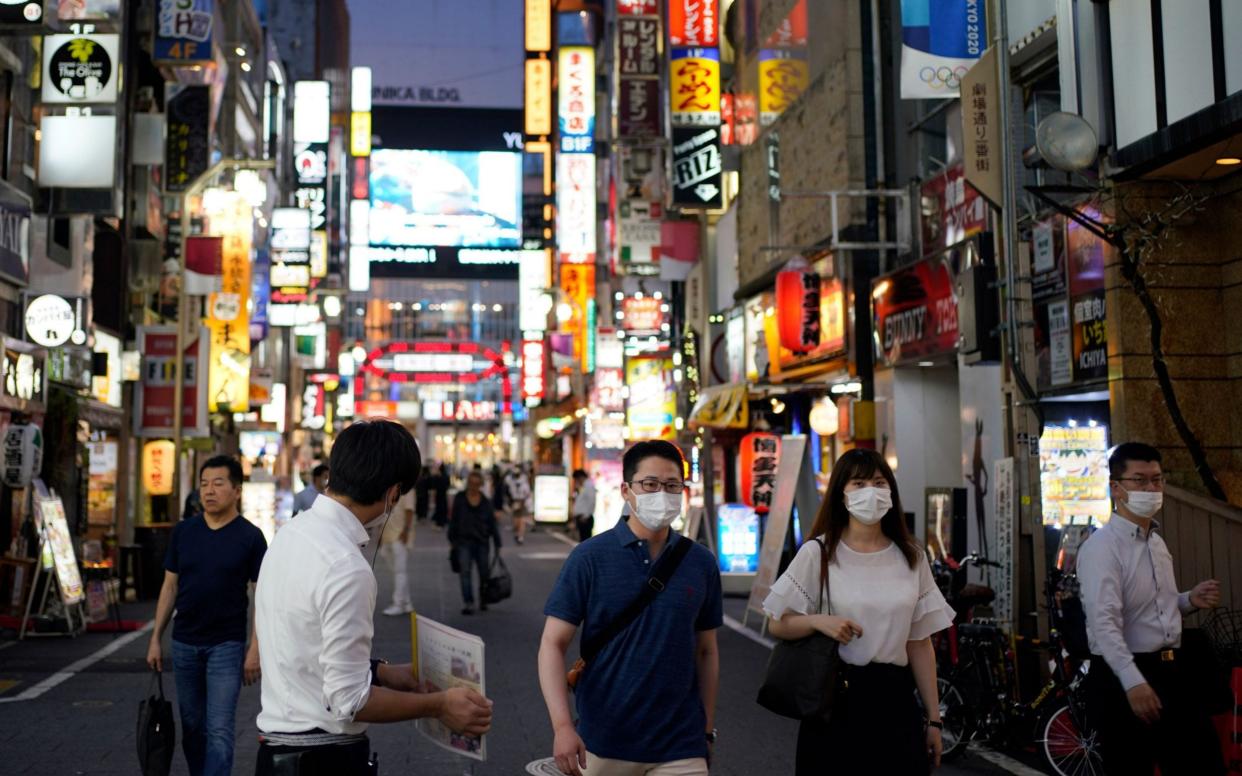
x=397, y=610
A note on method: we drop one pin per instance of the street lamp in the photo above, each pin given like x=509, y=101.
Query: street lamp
x=194, y=189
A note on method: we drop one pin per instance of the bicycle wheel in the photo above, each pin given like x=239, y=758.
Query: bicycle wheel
x=954, y=714
x=1069, y=750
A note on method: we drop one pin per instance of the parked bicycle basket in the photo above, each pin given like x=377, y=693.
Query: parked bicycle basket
x=1224, y=630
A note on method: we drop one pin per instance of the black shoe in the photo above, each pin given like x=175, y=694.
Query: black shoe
x=468, y=610
x=482, y=607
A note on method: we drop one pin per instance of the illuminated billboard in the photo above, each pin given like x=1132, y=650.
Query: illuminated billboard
x=469, y=199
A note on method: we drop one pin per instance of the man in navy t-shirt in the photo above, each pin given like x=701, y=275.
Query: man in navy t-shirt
x=646, y=702
x=212, y=561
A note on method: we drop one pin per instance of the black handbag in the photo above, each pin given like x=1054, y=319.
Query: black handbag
x=499, y=584
x=157, y=733
x=802, y=675
x=454, y=561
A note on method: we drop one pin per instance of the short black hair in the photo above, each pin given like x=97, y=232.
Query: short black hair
x=370, y=457
x=1122, y=454
x=652, y=448
x=581, y=473
x=319, y=470
x=224, y=462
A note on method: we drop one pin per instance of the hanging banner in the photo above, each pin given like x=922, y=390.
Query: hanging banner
x=784, y=76
x=154, y=396
x=694, y=87
x=693, y=22
x=981, y=135
x=697, y=168
x=183, y=32
x=941, y=40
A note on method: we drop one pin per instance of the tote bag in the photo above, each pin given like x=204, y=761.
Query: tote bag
x=157, y=733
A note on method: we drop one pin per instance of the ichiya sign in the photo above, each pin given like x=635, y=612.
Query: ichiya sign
x=693, y=22
x=916, y=312
x=697, y=169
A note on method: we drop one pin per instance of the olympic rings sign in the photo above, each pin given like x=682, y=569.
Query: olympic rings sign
x=943, y=77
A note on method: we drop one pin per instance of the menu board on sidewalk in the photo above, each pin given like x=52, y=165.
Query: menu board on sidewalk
x=445, y=658
x=51, y=516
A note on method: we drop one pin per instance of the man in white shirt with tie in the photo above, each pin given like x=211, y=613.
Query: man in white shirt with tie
x=1139, y=694
x=315, y=607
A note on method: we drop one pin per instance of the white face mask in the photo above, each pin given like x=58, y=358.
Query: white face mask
x=657, y=511
x=869, y=505
x=1144, y=503
x=375, y=529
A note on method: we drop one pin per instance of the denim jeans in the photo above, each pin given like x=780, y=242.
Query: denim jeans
x=469, y=555
x=208, y=682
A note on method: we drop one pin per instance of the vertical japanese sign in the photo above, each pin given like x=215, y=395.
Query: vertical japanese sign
x=1090, y=337
x=576, y=103
x=578, y=289
x=183, y=32
x=638, y=71
x=784, y=76
x=981, y=138
x=941, y=40
x=311, y=134
x=538, y=97
x=638, y=46
x=538, y=25
x=693, y=23
x=575, y=207
x=638, y=109
x=694, y=87
x=187, y=146
x=228, y=316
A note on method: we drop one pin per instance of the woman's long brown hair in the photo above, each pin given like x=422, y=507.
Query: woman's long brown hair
x=833, y=515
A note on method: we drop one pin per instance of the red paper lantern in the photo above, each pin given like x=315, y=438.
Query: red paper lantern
x=760, y=453
x=797, y=306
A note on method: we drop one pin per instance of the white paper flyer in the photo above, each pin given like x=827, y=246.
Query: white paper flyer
x=445, y=658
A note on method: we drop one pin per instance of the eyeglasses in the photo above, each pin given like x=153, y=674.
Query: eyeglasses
x=653, y=485
x=1144, y=482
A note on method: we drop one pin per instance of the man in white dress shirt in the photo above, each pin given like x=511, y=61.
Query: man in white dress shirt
x=1140, y=697
x=315, y=607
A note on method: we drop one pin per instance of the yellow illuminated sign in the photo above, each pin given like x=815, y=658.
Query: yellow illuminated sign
x=538, y=96
x=783, y=78
x=228, y=315
x=360, y=134
x=538, y=25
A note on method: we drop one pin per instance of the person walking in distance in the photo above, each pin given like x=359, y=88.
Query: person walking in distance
x=306, y=497
x=1140, y=694
x=396, y=542
x=584, y=505
x=212, y=561
x=882, y=604
x=316, y=607
x=472, y=529
x=518, y=488
x=646, y=695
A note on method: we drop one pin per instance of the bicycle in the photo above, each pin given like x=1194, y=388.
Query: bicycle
x=978, y=696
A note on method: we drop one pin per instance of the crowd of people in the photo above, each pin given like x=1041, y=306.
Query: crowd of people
x=645, y=604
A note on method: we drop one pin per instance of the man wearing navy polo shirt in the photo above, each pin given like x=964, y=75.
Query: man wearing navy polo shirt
x=646, y=703
x=212, y=560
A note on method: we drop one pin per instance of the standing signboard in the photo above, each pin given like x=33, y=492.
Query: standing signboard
x=55, y=529
x=793, y=456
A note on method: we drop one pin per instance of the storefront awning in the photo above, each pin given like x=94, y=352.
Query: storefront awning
x=722, y=406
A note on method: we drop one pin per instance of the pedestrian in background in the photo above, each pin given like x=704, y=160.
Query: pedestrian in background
x=884, y=607
x=421, y=497
x=519, y=491
x=584, y=505
x=318, y=481
x=316, y=613
x=1141, y=693
x=647, y=698
x=439, y=485
x=211, y=563
x=395, y=543
x=472, y=530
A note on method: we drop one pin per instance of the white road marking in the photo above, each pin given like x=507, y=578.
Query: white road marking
x=1004, y=761
x=544, y=555
x=78, y=666
x=738, y=627
x=560, y=537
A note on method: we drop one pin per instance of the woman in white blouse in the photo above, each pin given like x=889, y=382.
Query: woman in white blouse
x=884, y=606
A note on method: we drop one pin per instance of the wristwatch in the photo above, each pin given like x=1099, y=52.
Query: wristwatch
x=712, y=735
x=939, y=725
x=375, y=664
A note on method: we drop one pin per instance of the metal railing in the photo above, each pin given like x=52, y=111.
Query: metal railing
x=1205, y=539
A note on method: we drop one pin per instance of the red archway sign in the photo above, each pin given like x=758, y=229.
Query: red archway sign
x=437, y=363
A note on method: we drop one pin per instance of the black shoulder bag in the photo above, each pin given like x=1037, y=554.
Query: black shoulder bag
x=660, y=575
x=802, y=675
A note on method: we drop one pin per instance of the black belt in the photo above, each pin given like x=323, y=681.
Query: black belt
x=346, y=759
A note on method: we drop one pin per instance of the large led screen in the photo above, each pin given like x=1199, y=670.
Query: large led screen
x=467, y=199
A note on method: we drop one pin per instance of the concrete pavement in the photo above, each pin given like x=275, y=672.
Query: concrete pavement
x=84, y=722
